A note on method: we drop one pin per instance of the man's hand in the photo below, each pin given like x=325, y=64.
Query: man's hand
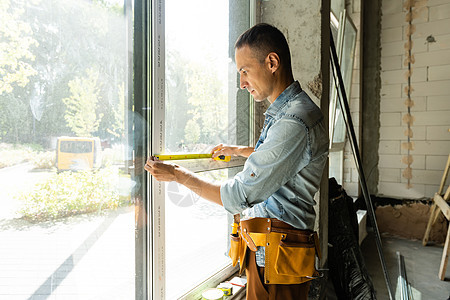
x=161, y=171
x=221, y=149
x=226, y=150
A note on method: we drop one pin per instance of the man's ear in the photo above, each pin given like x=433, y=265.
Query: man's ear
x=273, y=61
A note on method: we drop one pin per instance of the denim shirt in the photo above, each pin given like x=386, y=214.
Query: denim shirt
x=280, y=178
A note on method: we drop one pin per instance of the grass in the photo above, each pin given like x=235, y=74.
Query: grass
x=11, y=154
x=71, y=193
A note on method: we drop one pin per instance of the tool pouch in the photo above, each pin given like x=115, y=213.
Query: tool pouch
x=295, y=259
x=235, y=245
x=296, y=255
x=238, y=248
x=289, y=253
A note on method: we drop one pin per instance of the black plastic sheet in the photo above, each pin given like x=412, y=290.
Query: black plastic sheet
x=347, y=268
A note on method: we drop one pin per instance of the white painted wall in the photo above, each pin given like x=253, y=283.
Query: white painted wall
x=431, y=95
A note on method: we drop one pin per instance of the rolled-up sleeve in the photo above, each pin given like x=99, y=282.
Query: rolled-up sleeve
x=283, y=154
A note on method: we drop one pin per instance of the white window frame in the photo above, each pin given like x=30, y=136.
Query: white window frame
x=340, y=25
x=156, y=196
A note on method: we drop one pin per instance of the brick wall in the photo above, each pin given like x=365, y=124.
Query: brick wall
x=430, y=92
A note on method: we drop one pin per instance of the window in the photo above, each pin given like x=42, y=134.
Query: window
x=344, y=35
x=65, y=71
x=196, y=104
x=76, y=146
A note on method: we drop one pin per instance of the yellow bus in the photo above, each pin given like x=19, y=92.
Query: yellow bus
x=77, y=153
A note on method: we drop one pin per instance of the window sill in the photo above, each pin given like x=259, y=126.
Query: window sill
x=221, y=276
x=207, y=164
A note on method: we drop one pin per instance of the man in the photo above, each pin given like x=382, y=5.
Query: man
x=280, y=177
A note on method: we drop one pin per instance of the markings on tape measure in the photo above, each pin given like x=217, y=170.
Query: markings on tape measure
x=190, y=156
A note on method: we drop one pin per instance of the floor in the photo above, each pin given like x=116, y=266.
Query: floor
x=92, y=256
x=55, y=260
x=421, y=263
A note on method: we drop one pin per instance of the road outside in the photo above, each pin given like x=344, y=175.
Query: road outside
x=92, y=256
x=81, y=257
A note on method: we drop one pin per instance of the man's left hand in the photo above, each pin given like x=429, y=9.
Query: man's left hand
x=161, y=171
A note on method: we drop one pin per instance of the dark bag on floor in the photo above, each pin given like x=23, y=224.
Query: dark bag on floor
x=347, y=269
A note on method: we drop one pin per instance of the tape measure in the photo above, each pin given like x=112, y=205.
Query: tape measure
x=227, y=288
x=190, y=156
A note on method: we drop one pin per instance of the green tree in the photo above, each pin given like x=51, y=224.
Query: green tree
x=208, y=98
x=70, y=37
x=117, y=127
x=192, y=132
x=176, y=100
x=196, y=107
x=81, y=115
x=16, y=57
x=15, y=48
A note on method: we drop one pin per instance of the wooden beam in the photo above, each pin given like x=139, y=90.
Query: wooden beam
x=443, y=205
x=444, y=260
x=444, y=177
x=434, y=212
x=447, y=194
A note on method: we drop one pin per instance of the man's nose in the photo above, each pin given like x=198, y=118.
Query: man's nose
x=242, y=83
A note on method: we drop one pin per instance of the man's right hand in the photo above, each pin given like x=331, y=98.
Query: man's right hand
x=227, y=150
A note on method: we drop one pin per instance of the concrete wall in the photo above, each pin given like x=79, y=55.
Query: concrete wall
x=300, y=21
x=306, y=27
x=370, y=104
x=429, y=88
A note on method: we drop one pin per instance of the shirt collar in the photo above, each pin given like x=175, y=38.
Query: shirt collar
x=284, y=97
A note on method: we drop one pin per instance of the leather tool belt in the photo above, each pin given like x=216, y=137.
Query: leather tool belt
x=289, y=254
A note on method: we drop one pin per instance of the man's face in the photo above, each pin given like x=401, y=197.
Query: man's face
x=255, y=76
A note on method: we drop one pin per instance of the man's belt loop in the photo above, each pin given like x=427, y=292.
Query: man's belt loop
x=247, y=238
x=237, y=218
x=243, y=231
x=317, y=245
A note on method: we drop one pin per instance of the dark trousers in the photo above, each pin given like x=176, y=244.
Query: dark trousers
x=257, y=290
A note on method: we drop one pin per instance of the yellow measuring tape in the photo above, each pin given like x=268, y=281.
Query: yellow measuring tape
x=190, y=156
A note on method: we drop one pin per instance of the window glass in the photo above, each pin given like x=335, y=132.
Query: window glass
x=196, y=75
x=76, y=146
x=346, y=63
x=63, y=72
x=344, y=36
x=203, y=107
x=337, y=6
x=196, y=237
x=201, y=78
x=336, y=160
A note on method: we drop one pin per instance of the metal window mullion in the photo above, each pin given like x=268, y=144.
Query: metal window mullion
x=253, y=136
x=253, y=15
x=137, y=128
x=157, y=146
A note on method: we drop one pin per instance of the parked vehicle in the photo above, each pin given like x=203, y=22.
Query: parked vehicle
x=78, y=153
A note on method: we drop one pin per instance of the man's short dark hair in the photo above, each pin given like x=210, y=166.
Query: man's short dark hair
x=263, y=39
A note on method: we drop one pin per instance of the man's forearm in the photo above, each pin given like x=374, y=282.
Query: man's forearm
x=205, y=189
x=244, y=151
